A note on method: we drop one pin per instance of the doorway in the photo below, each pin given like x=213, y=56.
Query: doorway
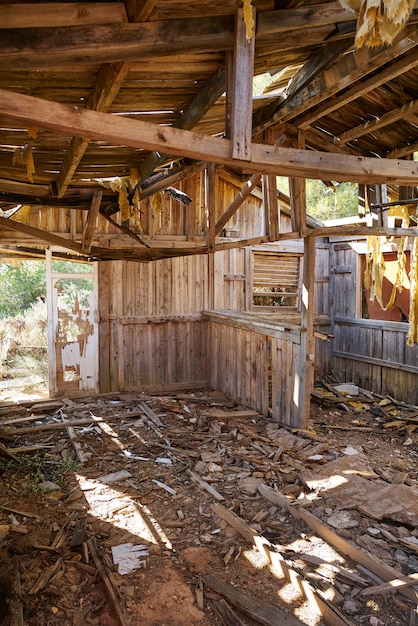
x=72, y=327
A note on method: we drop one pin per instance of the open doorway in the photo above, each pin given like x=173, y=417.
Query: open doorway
x=23, y=330
x=72, y=327
x=48, y=334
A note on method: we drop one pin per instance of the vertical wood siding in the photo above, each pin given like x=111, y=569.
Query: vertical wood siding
x=370, y=353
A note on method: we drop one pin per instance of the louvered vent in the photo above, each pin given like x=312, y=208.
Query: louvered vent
x=275, y=280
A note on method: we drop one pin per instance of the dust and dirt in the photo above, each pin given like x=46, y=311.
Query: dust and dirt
x=151, y=478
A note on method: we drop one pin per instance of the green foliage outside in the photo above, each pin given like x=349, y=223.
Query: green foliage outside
x=21, y=286
x=327, y=202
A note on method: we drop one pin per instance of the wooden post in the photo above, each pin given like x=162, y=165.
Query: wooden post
x=242, y=96
x=210, y=205
x=297, y=188
x=304, y=376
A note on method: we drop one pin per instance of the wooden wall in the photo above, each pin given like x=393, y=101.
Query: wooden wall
x=371, y=353
x=151, y=332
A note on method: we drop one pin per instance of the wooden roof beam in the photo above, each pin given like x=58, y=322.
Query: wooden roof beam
x=200, y=104
x=48, y=47
x=119, y=130
x=352, y=68
x=106, y=86
x=372, y=125
x=60, y=14
x=241, y=97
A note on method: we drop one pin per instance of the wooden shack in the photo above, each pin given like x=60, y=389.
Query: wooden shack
x=131, y=139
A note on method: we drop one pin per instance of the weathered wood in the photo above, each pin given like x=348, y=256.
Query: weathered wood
x=252, y=606
x=381, y=569
x=59, y=14
x=110, y=586
x=342, y=75
x=391, y=585
x=205, y=486
x=242, y=85
x=91, y=221
x=210, y=205
x=107, y=84
x=46, y=576
x=226, y=614
x=374, y=124
x=139, y=134
x=238, y=201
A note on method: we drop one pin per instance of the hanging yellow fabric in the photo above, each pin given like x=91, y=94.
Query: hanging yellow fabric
x=413, y=302
x=379, y=21
x=375, y=268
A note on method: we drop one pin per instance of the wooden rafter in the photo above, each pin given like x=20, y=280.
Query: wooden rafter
x=351, y=69
x=139, y=10
x=372, y=125
x=107, y=84
x=54, y=14
x=201, y=103
x=139, y=134
x=47, y=47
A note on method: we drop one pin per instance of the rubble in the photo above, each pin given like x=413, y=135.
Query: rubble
x=191, y=510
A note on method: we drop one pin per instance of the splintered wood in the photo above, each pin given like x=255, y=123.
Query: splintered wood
x=220, y=507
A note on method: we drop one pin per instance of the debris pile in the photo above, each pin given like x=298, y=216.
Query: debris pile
x=188, y=509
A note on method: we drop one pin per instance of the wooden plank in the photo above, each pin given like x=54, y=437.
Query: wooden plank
x=109, y=584
x=272, y=205
x=91, y=221
x=252, y=606
x=306, y=361
x=59, y=14
x=139, y=134
x=237, y=202
x=243, y=70
x=391, y=585
x=381, y=569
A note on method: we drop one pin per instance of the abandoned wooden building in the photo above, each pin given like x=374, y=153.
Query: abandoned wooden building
x=135, y=143
x=131, y=140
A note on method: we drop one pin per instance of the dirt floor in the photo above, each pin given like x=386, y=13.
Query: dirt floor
x=189, y=510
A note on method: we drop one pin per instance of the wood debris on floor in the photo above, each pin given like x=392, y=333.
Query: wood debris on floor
x=188, y=509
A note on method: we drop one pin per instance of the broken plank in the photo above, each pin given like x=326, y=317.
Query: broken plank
x=283, y=570
x=150, y=414
x=109, y=584
x=226, y=415
x=252, y=606
x=46, y=576
x=205, y=486
x=72, y=423
x=391, y=585
x=226, y=614
x=381, y=569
